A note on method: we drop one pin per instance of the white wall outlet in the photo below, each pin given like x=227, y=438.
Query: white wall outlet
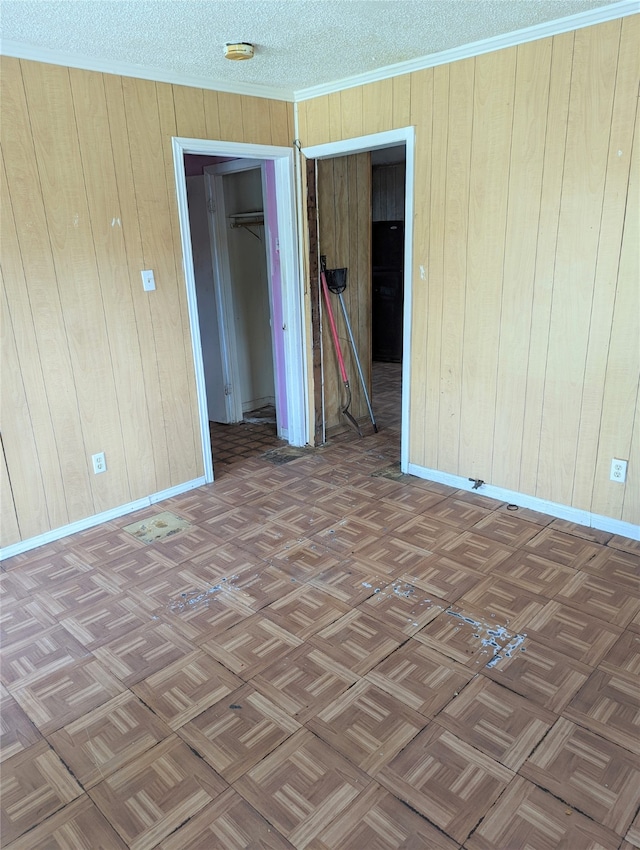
x=99, y=463
x=148, y=280
x=618, y=470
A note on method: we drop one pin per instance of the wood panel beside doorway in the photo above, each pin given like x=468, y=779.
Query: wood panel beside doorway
x=344, y=222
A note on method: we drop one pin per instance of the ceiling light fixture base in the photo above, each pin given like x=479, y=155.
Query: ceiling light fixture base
x=238, y=51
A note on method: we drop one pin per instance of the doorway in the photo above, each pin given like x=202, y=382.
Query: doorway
x=246, y=311
x=388, y=344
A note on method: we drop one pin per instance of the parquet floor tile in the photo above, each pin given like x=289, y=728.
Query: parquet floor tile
x=464, y=637
x=367, y=725
x=496, y=721
x=366, y=656
x=105, y=739
x=186, y=688
x=446, y=780
x=623, y=568
x=135, y=567
x=303, y=682
x=27, y=660
x=602, y=598
x=562, y=548
x=251, y=646
x=534, y=574
x=443, y=577
x=238, y=732
x=351, y=582
x=305, y=559
x=142, y=652
x=392, y=555
x=427, y=532
x=504, y=602
x=404, y=606
x=506, y=528
x=17, y=732
x=21, y=620
x=609, y=705
x=624, y=655
x=589, y=773
x=151, y=797
x=66, y=694
x=457, y=513
x=85, y=590
x=573, y=633
x=476, y=552
x=228, y=822
x=305, y=611
x=421, y=678
x=378, y=819
x=79, y=825
x=34, y=785
x=108, y=620
x=540, y=674
x=526, y=816
x=302, y=787
x=358, y=641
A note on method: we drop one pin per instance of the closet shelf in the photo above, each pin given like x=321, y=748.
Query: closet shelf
x=248, y=219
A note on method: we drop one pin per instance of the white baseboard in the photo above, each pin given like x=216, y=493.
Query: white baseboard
x=96, y=519
x=602, y=523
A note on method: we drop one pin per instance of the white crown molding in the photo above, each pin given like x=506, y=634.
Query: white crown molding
x=97, y=519
x=622, y=9
x=602, y=523
x=19, y=50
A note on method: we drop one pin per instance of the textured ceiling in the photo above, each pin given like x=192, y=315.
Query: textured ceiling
x=299, y=43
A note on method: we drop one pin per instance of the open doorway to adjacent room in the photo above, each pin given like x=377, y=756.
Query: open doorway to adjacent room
x=244, y=305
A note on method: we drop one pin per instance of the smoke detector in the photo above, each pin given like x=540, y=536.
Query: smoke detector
x=241, y=50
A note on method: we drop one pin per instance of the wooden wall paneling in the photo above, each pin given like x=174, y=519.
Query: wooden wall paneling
x=607, y=263
x=335, y=117
x=533, y=66
x=302, y=130
x=19, y=312
x=191, y=121
x=63, y=185
x=456, y=220
x=313, y=302
x=401, y=101
x=281, y=133
x=17, y=430
x=363, y=250
x=547, y=237
x=256, y=120
x=436, y=283
x=230, y=117
x=64, y=468
x=8, y=519
x=211, y=114
x=317, y=119
x=353, y=122
x=189, y=459
x=422, y=118
x=357, y=295
x=333, y=392
x=619, y=406
x=492, y=123
x=590, y=105
x=106, y=215
x=377, y=106
x=631, y=504
x=158, y=471
x=149, y=174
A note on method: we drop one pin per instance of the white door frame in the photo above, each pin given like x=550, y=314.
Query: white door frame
x=292, y=304
x=361, y=144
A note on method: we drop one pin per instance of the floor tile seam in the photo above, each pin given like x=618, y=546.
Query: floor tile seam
x=573, y=806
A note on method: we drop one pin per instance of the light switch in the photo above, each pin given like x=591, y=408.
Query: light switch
x=148, y=280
